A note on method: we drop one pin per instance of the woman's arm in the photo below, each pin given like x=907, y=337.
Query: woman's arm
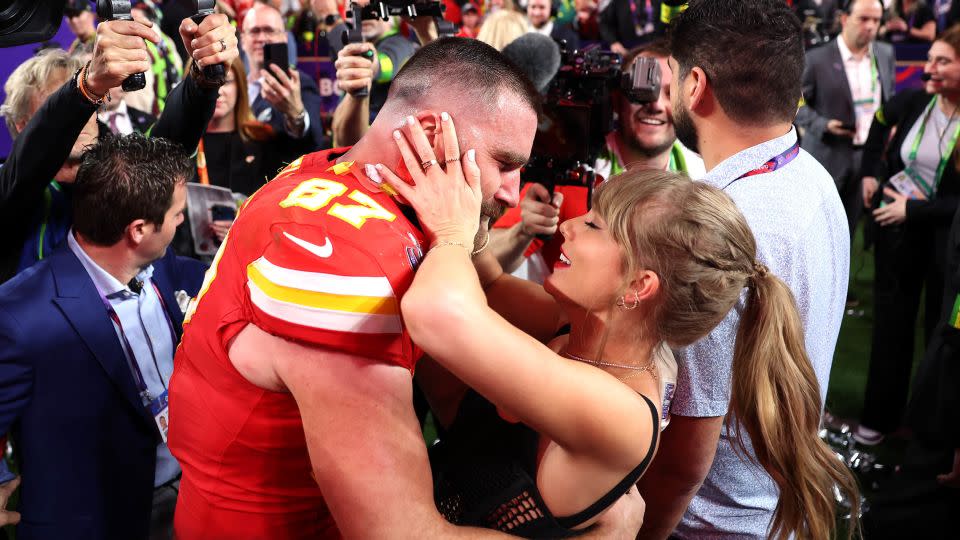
x=522, y=303
x=886, y=118
x=584, y=410
x=189, y=105
x=927, y=32
x=581, y=408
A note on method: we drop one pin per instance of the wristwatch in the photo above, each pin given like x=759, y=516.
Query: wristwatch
x=296, y=123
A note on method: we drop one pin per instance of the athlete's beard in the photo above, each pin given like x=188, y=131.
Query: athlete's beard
x=490, y=212
x=492, y=209
x=684, y=127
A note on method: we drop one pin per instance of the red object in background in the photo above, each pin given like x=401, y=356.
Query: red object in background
x=452, y=13
x=240, y=7
x=909, y=72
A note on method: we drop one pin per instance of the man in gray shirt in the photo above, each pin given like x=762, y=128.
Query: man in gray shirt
x=737, y=83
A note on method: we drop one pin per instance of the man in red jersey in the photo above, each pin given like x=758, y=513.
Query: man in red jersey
x=291, y=407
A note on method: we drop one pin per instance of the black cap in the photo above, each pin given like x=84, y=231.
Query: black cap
x=75, y=7
x=469, y=6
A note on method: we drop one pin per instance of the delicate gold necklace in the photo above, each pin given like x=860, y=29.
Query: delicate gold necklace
x=651, y=367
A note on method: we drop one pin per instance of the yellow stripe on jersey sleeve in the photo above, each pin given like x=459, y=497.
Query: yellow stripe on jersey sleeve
x=350, y=303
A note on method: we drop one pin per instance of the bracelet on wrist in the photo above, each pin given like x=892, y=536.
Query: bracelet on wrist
x=445, y=243
x=81, y=81
x=473, y=253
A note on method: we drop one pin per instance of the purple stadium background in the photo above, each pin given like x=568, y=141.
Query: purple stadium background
x=12, y=57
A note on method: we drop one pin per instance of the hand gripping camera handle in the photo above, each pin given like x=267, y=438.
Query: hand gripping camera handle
x=214, y=73
x=134, y=82
x=353, y=34
x=119, y=10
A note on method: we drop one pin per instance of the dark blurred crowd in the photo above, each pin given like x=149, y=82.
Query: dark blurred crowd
x=138, y=190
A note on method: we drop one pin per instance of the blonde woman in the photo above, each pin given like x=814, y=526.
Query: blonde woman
x=568, y=423
x=501, y=27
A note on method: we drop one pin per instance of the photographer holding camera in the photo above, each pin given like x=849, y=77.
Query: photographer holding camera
x=645, y=138
x=35, y=186
x=371, y=65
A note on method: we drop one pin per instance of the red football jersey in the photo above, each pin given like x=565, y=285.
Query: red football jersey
x=317, y=256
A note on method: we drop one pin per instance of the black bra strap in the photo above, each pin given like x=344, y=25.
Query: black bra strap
x=624, y=485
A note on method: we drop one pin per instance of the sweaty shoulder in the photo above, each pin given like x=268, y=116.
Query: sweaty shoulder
x=327, y=259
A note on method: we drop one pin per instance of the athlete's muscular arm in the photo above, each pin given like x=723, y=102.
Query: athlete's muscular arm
x=365, y=444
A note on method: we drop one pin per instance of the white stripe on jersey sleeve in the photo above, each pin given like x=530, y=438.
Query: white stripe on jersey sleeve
x=340, y=321
x=324, y=283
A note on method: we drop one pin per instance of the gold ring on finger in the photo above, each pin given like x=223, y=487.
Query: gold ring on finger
x=427, y=164
x=451, y=160
x=223, y=45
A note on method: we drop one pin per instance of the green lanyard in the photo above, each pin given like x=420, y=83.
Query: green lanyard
x=678, y=163
x=874, y=77
x=944, y=157
x=47, y=204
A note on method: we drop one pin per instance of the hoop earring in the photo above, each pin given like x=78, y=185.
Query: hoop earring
x=621, y=302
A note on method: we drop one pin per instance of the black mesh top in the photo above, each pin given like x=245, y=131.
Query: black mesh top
x=485, y=470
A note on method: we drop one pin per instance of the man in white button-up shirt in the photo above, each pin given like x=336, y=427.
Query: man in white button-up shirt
x=844, y=84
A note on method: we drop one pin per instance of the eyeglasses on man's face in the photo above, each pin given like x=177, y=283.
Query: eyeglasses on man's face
x=264, y=31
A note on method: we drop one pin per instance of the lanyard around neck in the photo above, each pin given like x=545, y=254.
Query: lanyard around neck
x=874, y=77
x=778, y=161
x=944, y=156
x=138, y=379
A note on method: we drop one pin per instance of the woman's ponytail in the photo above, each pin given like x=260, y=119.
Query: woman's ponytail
x=698, y=243
x=775, y=398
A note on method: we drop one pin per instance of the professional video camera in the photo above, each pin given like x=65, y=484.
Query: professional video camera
x=403, y=8
x=578, y=113
x=396, y=8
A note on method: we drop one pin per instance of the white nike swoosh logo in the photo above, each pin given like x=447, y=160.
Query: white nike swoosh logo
x=324, y=251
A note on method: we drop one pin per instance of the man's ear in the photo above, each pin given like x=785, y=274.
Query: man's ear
x=430, y=122
x=697, y=89
x=136, y=231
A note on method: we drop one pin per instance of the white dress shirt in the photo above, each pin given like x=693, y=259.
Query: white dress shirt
x=118, y=119
x=863, y=78
x=147, y=328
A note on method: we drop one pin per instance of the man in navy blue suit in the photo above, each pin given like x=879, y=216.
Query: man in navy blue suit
x=288, y=99
x=87, y=338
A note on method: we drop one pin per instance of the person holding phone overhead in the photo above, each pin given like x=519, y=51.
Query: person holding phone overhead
x=912, y=211
x=239, y=152
x=287, y=99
